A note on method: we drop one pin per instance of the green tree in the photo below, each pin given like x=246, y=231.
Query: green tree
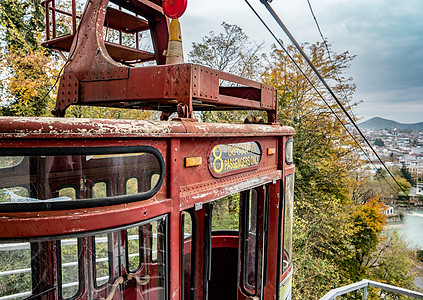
x=406, y=174
x=230, y=51
x=324, y=226
x=379, y=142
x=29, y=69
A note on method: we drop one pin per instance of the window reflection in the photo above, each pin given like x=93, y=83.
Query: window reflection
x=288, y=219
x=250, y=239
x=71, y=177
x=15, y=270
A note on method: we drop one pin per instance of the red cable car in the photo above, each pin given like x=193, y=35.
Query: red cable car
x=123, y=209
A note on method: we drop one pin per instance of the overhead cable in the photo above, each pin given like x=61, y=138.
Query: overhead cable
x=327, y=48
x=339, y=80
x=280, y=23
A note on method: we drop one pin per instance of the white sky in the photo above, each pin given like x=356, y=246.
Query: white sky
x=386, y=36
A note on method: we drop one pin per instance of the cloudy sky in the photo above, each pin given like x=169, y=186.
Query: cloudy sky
x=386, y=36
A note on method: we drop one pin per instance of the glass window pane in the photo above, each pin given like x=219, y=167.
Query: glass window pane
x=154, y=180
x=69, y=192
x=155, y=264
x=15, y=270
x=10, y=161
x=188, y=264
x=69, y=254
x=288, y=218
x=131, y=186
x=250, y=240
x=154, y=245
x=14, y=194
x=226, y=213
x=76, y=176
x=134, y=242
x=147, y=256
x=100, y=190
x=101, y=259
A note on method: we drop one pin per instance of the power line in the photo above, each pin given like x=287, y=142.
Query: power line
x=339, y=80
x=280, y=23
x=327, y=49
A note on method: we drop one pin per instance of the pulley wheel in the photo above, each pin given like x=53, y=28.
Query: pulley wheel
x=174, y=8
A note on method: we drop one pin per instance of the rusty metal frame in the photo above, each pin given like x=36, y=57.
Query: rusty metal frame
x=92, y=77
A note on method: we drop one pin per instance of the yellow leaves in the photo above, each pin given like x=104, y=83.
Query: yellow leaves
x=31, y=74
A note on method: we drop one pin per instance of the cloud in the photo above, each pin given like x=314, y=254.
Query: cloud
x=386, y=36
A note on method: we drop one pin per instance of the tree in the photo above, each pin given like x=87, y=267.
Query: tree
x=391, y=263
x=379, y=142
x=406, y=174
x=324, y=227
x=29, y=69
x=230, y=51
x=234, y=53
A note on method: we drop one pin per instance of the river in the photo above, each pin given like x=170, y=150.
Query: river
x=411, y=227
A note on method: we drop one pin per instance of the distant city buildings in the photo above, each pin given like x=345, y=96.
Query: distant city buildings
x=401, y=148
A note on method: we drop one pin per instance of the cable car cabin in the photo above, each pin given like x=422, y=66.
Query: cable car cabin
x=94, y=209
x=148, y=210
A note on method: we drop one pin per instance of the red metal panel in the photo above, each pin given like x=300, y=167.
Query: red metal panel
x=268, y=97
x=50, y=223
x=224, y=241
x=273, y=239
x=174, y=162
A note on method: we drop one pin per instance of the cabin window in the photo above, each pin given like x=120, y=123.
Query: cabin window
x=156, y=262
x=95, y=174
x=131, y=186
x=154, y=237
x=146, y=248
x=15, y=270
x=101, y=259
x=7, y=162
x=154, y=180
x=69, y=192
x=249, y=241
x=289, y=149
x=14, y=194
x=69, y=262
x=100, y=189
x=288, y=219
x=226, y=213
x=134, y=240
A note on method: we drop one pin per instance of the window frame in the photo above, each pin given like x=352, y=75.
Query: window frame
x=283, y=270
x=82, y=203
x=76, y=188
x=140, y=249
x=103, y=180
x=60, y=270
x=109, y=258
x=245, y=287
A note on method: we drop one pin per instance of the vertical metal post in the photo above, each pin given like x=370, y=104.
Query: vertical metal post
x=365, y=293
x=47, y=4
x=53, y=17
x=120, y=31
x=137, y=37
x=73, y=16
